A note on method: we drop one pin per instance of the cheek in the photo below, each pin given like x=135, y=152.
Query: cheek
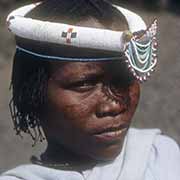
x=75, y=109
x=69, y=116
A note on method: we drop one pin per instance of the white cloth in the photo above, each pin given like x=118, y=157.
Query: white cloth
x=146, y=155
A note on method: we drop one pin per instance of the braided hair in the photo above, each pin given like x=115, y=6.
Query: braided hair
x=30, y=74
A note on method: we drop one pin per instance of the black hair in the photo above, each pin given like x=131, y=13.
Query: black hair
x=30, y=74
x=74, y=11
x=29, y=86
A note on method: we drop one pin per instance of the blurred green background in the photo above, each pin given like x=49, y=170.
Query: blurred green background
x=160, y=98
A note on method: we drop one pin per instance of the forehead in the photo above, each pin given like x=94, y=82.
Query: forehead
x=76, y=67
x=71, y=69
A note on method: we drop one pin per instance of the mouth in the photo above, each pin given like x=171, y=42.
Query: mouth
x=112, y=134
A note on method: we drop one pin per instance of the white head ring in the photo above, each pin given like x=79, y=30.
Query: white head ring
x=139, y=48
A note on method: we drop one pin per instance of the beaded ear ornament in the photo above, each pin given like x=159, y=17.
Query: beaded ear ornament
x=141, y=52
x=139, y=43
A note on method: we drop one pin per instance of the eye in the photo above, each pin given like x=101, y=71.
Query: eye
x=82, y=86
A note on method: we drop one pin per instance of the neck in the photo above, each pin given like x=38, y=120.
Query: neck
x=58, y=155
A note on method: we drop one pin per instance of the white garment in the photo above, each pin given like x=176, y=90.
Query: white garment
x=146, y=155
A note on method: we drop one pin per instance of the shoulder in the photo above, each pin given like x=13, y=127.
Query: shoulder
x=154, y=155
x=37, y=172
x=9, y=178
x=164, y=160
x=166, y=145
x=24, y=172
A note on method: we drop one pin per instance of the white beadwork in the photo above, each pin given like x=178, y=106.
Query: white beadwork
x=141, y=51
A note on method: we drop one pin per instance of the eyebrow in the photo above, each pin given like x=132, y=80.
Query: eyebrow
x=84, y=77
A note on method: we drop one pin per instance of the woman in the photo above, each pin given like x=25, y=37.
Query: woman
x=70, y=84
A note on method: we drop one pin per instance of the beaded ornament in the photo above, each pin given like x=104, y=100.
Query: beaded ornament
x=139, y=43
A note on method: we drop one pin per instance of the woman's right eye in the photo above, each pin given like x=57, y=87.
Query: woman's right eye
x=82, y=86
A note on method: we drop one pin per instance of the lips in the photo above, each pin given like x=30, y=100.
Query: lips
x=111, y=134
x=112, y=129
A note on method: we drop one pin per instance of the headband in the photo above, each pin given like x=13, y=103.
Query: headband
x=138, y=43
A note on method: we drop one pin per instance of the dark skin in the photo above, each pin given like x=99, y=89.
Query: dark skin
x=86, y=100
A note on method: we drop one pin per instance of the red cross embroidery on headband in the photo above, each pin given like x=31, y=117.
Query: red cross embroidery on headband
x=69, y=35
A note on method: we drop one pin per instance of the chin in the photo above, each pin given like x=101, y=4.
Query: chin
x=108, y=153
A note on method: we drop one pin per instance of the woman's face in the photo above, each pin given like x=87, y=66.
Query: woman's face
x=90, y=107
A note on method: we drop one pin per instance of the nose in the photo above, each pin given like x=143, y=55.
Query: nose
x=110, y=108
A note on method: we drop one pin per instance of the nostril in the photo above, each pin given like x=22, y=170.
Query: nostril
x=110, y=109
x=105, y=114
